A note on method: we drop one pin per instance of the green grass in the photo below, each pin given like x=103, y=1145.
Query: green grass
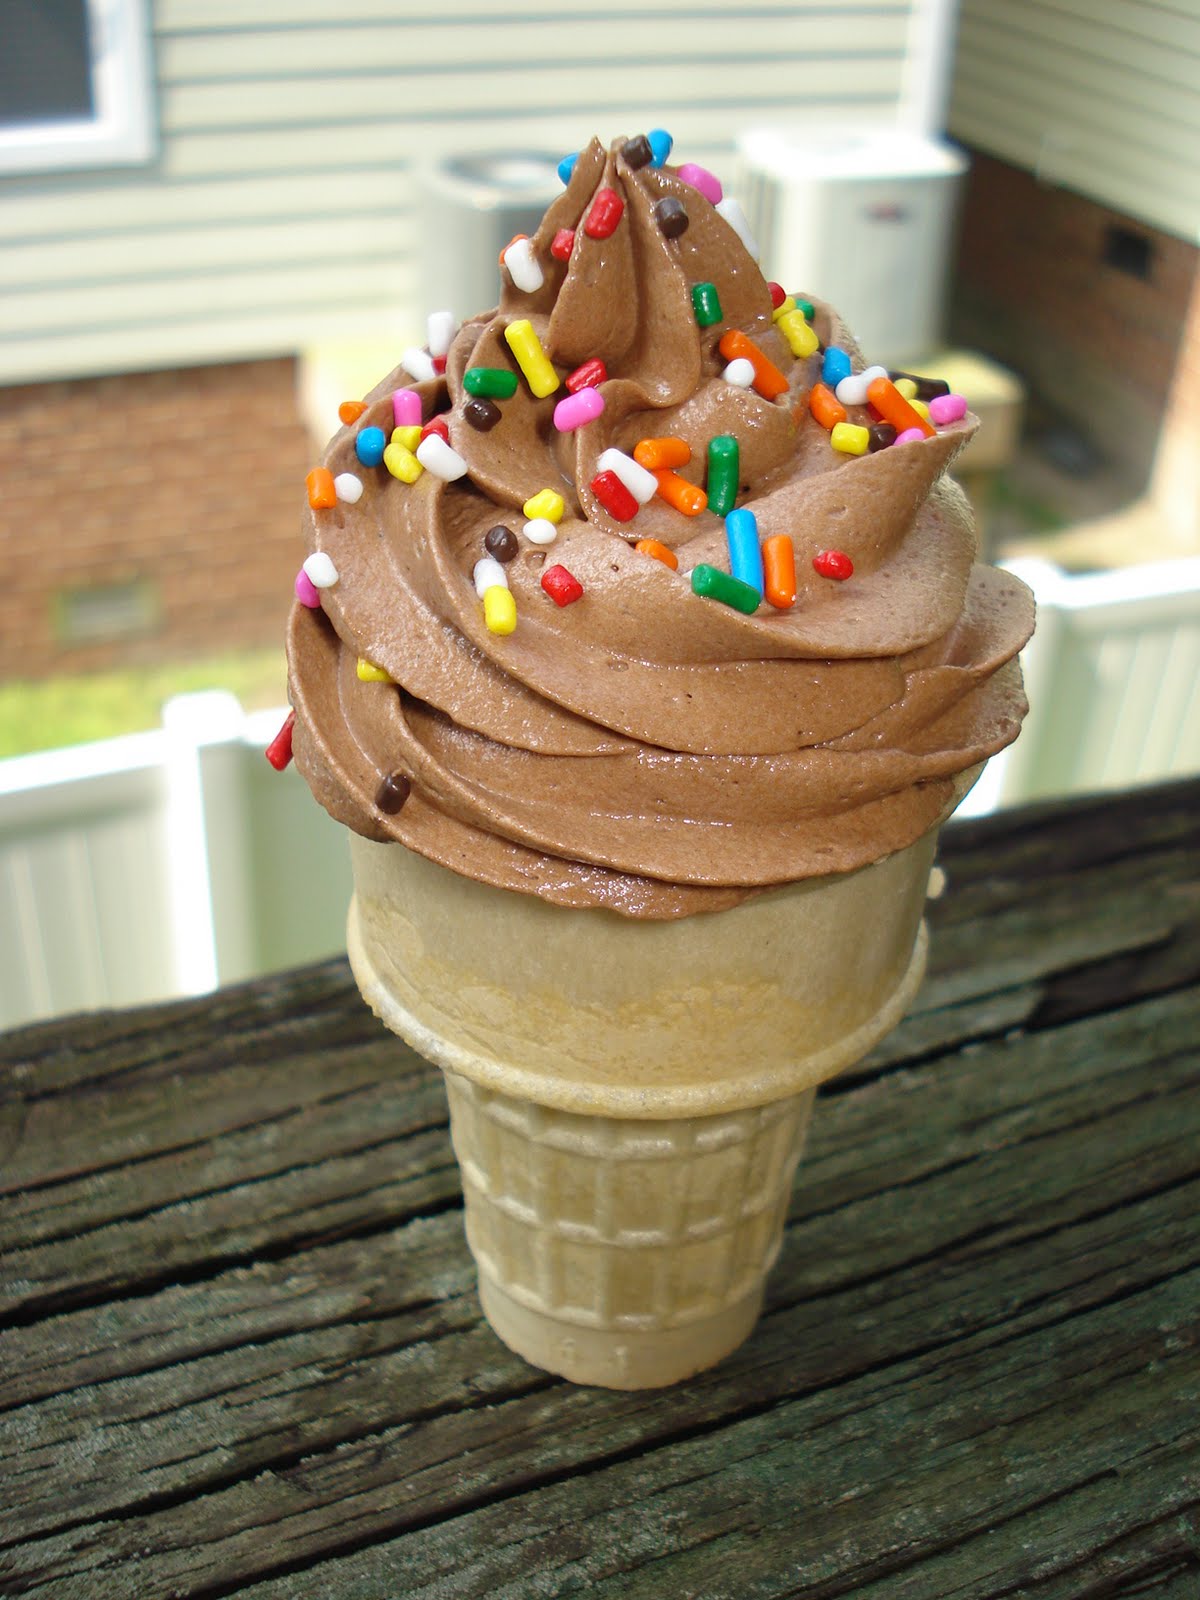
x=61, y=711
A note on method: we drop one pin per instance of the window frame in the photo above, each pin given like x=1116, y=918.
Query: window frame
x=122, y=131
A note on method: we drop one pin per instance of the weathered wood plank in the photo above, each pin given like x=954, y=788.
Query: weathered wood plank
x=789, y=1502
x=403, y=1475
x=881, y=1259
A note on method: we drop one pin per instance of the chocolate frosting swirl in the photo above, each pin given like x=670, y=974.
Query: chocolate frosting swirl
x=645, y=748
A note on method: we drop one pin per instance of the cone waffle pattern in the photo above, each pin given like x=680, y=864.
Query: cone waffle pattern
x=615, y=1224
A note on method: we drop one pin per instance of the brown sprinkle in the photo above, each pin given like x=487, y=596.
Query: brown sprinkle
x=501, y=543
x=392, y=793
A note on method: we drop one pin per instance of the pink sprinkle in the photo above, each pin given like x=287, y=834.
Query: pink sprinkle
x=406, y=408
x=585, y=405
x=947, y=408
x=909, y=435
x=307, y=592
x=701, y=178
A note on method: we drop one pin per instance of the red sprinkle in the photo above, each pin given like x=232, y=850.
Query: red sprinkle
x=833, y=564
x=589, y=376
x=607, y=210
x=439, y=364
x=778, y=295
x=614, y=496
x=436, y=425
x=279, y=751
x=562, y=586
x=562, y=244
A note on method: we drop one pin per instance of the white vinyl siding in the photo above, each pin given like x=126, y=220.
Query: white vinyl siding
x=280, y=210
x=1099, y=96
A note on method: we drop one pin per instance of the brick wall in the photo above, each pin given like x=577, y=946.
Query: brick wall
x=1096, y=342
x=157, y=512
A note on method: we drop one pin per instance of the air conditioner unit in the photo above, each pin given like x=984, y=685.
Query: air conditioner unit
x=471, y=206
x=860, y=217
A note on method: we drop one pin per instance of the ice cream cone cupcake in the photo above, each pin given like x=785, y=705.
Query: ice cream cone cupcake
x=643, y=648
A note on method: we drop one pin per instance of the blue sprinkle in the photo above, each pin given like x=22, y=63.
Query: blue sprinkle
x=369, y=446
x=745, y=553
x=660, y=142
x=835, y=367
x=567, y=166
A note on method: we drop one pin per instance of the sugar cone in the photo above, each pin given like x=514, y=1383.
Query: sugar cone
x=629, y=1099
x=617, y=1251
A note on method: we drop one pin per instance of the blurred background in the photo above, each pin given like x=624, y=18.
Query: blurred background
x=222, y=217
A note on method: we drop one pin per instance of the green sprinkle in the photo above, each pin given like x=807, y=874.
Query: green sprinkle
x=722, y=483
x=705, y=304
x=714, y=584
x=494, y=383
x=806, y=306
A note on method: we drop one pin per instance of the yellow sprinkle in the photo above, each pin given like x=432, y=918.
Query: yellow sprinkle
x=409, y=435
x=402, y=464
x=531, y=358
x=368, y=672
x=545, y=504
x=499, y=609
x=802, y=340
x=920, y=408
x=784, y=306
x=849, y=438
x=906, y=386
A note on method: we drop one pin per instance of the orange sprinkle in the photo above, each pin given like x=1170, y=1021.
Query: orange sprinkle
x=657, y=453
x=681, y=494
x=768, y=380
x=350, y=410
x=660, y=552
x=321, y=493
x=826, y=406
x=891, y=405
x=779, y=571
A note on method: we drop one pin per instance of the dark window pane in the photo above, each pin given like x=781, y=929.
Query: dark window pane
x=45, y=62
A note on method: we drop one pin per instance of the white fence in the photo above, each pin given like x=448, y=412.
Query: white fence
x=166, y=863
x=161, y=864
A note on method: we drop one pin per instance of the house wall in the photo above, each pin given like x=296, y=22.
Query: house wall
x=281, y=208
x=1100, y=97
x=1081, y=216
x=1034, y=287
x=152, y=515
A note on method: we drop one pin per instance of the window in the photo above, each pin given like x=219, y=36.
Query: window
x=74, y=84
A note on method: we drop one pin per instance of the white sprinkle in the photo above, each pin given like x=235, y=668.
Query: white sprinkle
x=540, y=530
x=441, y=330
x=322, y=573
x=736, y=218
x=348, y=488
x=418, y=364
x=523, y=266
x=437, y=457
x=488, y=574
x=639, y=480
x=740, y=373
x=852, y=391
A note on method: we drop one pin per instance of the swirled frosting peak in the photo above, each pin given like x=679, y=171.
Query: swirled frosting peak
x=622, y=740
